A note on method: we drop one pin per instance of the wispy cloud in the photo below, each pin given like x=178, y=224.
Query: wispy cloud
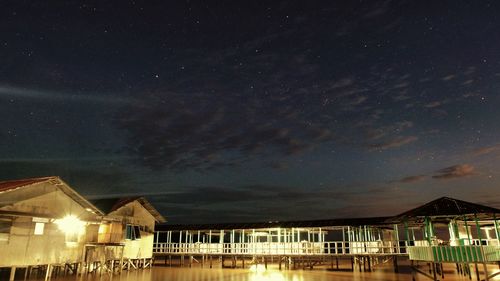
x=12, y=92
x=456, y=171
x=487, y=150
x=393, y=142
x=412, y=179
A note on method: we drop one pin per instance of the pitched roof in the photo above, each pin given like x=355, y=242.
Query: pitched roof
x=108, y=205
x=13, y=184
x=448, y=207
x=274, y=224
x=53, y=180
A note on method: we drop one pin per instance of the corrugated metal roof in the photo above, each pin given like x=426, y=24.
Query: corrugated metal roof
x=53, y=180
x=13, y=184
x=108, y=205
x=440, y=210
x=380, y=221
x=446, y=206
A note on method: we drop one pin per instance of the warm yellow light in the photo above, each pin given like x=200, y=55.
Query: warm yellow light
x=261, y=274
x=70, y=225
x=257, y=268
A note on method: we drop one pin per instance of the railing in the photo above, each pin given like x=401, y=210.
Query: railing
x=464, y=253
x=281, y=248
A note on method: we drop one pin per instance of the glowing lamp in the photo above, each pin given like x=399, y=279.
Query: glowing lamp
x=70, y=225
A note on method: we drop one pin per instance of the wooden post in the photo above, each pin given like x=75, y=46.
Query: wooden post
x=412, y=271
x=47, y=273
x=478, y=229
x=396, y=270
x=12, y=273
x=497, y=229
x=477, y=272
x=121, y=259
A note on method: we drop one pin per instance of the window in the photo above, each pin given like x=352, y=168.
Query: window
x=39, y=226
x=132, y=232
x=5, y=225
x=137, y=232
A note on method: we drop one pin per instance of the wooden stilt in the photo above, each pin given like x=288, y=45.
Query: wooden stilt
x=485, y=267
x=412, y=271
x=12, y=273
x=47, y=273
x=477, y=272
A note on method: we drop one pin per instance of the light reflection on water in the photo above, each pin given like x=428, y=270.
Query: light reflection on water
x=257, y=273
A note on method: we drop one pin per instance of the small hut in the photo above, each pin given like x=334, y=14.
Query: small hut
x=42, y=223
x=449, y=230
x=46, y=225
x=129, y=222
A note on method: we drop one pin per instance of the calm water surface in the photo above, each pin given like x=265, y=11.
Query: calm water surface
x=259, y=274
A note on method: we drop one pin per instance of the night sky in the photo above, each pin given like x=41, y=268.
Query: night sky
x=225, y=111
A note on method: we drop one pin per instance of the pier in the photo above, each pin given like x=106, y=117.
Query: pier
x=445, y=230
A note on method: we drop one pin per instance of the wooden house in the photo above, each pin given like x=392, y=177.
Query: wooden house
x=129, y=222
x=46, y=224
x=42, y=222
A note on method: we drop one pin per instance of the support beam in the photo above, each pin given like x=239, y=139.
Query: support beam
x=12, y=273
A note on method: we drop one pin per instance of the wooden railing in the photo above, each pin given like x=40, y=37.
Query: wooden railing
x=455, y=254
x=281, y=248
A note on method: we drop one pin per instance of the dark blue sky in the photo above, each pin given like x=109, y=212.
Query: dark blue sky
x=247, y=111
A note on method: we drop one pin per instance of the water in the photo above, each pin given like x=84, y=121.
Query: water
x=261, y=274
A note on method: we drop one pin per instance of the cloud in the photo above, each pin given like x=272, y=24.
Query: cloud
x=433, y=104
x=208, y=131
x=11, y=92
x=393, y=143
x=448, y=77
x=412, y=179
x=456, y=171
x=487, y=150
x=378, y=133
